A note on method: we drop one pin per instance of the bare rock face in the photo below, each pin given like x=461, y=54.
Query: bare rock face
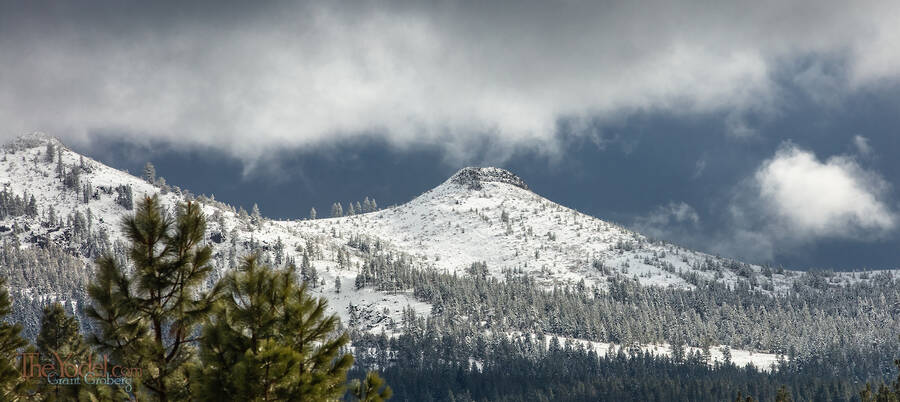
x=472, y=177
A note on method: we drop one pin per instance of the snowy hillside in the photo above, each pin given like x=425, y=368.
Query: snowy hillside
x=63, y=210
x=61, y=206
x=489, y=215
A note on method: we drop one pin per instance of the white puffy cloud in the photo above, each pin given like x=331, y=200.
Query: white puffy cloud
x=792, y=200
x=795, y=199
x=248, y=78
x=813, y=198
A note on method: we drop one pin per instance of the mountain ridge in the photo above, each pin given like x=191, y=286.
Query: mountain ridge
x=482, y=222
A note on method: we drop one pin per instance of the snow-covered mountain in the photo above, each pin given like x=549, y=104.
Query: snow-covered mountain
x=60, y=210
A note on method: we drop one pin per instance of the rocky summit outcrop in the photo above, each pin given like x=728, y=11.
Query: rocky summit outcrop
x=473, y=177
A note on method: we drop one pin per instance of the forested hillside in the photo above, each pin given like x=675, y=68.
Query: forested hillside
x=477, y=285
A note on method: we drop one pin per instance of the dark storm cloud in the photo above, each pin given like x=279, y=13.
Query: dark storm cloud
x=248, y=77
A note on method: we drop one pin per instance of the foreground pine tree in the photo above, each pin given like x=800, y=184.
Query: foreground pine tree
x=60, y=333
x=149, y=315
x=268, y=339
x=12, y=388
x=369, y=390
x=60, y=336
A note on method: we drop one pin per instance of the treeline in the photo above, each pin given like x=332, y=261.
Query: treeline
x=337, y=209
x=433, y=361
x=800, y=324
x=832, y=338
x=429, y=366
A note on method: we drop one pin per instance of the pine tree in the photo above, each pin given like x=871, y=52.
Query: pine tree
x=148, y=316
x=255, y=215
x=124, y=196
x=31, y=207
x=783, y=395
x=11, y=384
x=51, y=216
x=323, y=367
x=60, y=337
x=726, y=356
x=312, y=213
x=87, y=191
x=368, y=390
x=50, y=155
x=308, y=273
x=60, y=169
x=678, y=351
x=267, y=339
x=60, y=333
x=150, y=173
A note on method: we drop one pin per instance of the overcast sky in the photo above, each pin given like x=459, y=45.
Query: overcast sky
x=767, y=133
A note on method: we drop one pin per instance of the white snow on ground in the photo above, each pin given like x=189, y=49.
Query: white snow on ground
x=739, y=357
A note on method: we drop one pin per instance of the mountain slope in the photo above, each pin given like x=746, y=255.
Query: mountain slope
x=59, y=212
x=489, y=215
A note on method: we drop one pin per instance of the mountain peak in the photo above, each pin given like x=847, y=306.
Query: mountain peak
x=472, y=177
